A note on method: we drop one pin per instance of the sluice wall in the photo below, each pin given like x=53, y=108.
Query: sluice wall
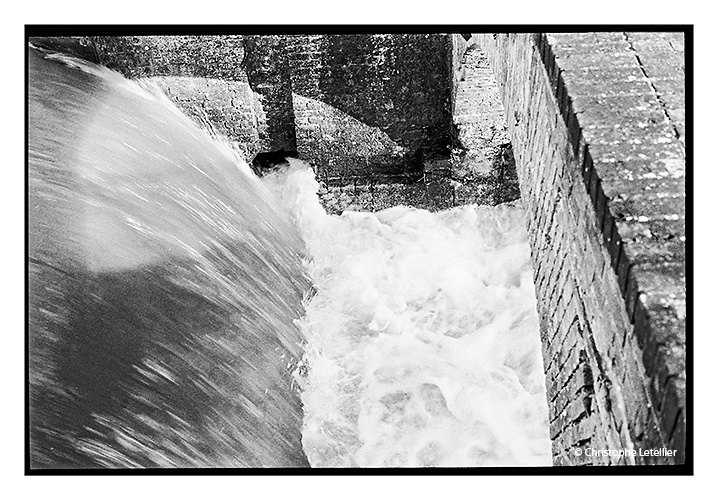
x=593, y=126
x=597, y=126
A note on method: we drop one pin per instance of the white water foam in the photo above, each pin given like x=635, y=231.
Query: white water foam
x=422, y=341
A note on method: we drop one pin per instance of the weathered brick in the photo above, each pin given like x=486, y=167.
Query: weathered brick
x=613, y=157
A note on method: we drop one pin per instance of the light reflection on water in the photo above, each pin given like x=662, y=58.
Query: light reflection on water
x=164, y=286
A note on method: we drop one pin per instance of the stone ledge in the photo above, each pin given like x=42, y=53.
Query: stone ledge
x=617, y=114
x=602, y=171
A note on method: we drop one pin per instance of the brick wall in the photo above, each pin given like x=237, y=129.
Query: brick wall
x=597, y=123
x=389, y=94
x=602, y=178
x=268, y=73
x=206, y=78
x=483, y=152
x=398, y=85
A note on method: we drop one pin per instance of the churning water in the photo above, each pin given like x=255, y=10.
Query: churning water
x=422, y=344
x=171, y=304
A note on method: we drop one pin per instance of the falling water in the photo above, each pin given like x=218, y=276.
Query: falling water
x=164, y=285
x=173, y=323
x=422, y=340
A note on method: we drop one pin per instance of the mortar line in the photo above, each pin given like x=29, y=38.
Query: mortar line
x=664, y=108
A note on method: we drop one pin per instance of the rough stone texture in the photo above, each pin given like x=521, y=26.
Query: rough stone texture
x=483, y=154
x=229, y=108
x=386, y=132
x=195, y=56
x=596, y=125
x=363, y=105
x=427, y=194
x=342, y=148
x=480, y=169
x=644, y=231
x=268, y=73
x=458, y=48
x=203, y=75
x=399, y=85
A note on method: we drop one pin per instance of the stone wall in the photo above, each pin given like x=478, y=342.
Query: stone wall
x=353, y=105
x=483, y=154
x=268, y=72
x=395, y=89
x=595, y=121
x=206, y=76
x=597, y=124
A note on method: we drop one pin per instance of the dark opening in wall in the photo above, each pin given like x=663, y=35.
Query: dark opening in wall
x=364, y=110
x=268, y=72
x=265, y=162
x=419, y=120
